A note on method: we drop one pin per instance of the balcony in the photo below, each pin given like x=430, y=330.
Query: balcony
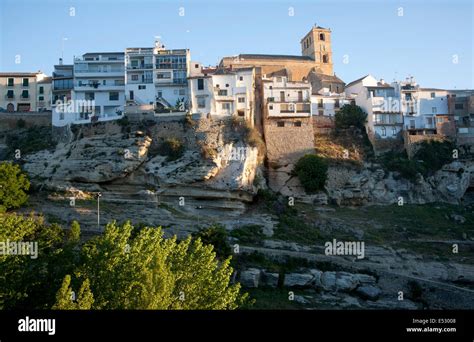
x=140, y=67
x=99, y=59
x=301, y=109
x=9, y=97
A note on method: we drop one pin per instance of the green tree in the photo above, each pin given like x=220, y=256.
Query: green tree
x=312, y=172
x=350, y=115
x=13, y=186
x=147, y=271
x=66, y=298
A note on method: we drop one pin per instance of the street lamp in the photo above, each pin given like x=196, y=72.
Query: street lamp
x=98, y=209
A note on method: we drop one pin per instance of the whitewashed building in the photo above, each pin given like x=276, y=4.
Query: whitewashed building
x=223, y=93
x=98, y=90
x=286, y=99
x=156, y=78
x=382, y=105
x=327, y=103
x=422, y=108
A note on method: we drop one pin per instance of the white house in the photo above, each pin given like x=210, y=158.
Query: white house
x=422, y=108
x=382, y=105
x=327, y=103
x=156, y=78
x=285, y=99
x=98, y=90
x=223, y=93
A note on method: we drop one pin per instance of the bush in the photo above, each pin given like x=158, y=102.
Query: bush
x=350, y=115
x=173, y=148
x=20, y=123
x=13, y=186
x=430, y=157
x=215, y=235
x=250, y=233
x=433, y=155
x=312, y=171
x=32, y=140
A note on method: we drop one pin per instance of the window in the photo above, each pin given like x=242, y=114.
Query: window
x=10, y=94
x=227, y=85
x=241, y=99
x=61, y=115
x=298, y=124
x=394, y=131
x=433, y=95
x=26, y=82
x=222, y=92
x=325, y=59
x=336, y=105
x=433, y=110
x=182, y=92
x=280, y=124
x=134, y=77
x=163, y=75
x=226, y=105
x=384, y=132
x=458, y=106
x=321, y=36
x=89, y=96
x=279, y=79
x=196, y=66
x=201, y=102
x=160, y=94
x=321, y=112
x=240, y=113
x=270, y=107
x=41, y=90
x=10, y=82
x=141, y=87
x=104, y=82
x=200, y=83
x=241, y=78
x=25, y=94
x=40, y=98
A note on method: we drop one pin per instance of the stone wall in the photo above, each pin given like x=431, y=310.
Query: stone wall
x=323, y=124
x=287, y=144
x=411, y=142
x=9, y=121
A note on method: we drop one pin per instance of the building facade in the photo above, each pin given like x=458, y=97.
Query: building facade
x=287, y=121
x=20, y=91
x=382, y=105
x=156, y=78
x=223, y=93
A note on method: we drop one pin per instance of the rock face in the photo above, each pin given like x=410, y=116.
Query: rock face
x=250, y=278
x=95, y=159
x=368, y=292
x=372, y=185
x=297, y=280
x=217, y=170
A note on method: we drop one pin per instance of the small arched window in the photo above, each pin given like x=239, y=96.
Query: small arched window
x=321, y=36
x=325, y=59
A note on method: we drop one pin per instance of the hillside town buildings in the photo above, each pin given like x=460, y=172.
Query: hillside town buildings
x=272, y=92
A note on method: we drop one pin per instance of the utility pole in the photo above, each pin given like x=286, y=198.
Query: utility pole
x=98, y=209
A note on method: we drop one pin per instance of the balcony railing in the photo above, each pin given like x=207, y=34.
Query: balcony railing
x=141, y=66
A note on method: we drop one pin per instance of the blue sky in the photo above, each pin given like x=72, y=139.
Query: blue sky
x=423, y=42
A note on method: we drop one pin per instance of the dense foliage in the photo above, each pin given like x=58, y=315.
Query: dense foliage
x=172, y=148
x=216, y=236
x=350, y=115
x=14, y=185
x=429, y=158
x=125, y=268
x=312, y=171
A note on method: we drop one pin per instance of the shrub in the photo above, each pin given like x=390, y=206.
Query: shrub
x=20, y=123
x=215, y=235
x=399, y=162
x=32, y=140
x=172, y=148
x=350, y=115
x=433, y=155
x=13, y=186
x=312, y=172
x=250, y=233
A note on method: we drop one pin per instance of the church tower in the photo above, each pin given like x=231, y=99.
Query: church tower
x=317, y=45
